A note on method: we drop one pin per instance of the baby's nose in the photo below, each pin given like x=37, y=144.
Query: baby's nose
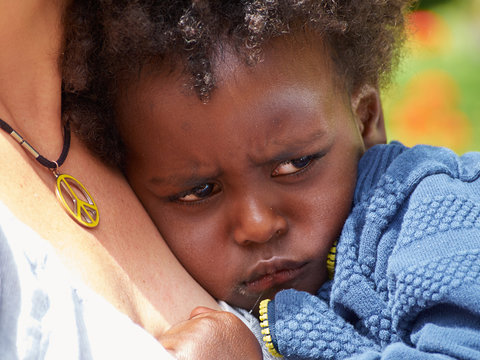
x=257, y=222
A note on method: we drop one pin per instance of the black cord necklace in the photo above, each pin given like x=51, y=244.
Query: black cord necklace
x=81, y=208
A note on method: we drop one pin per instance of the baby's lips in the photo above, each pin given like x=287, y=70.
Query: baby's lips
x=273, y=273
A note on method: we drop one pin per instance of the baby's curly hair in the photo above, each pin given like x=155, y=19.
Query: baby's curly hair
x=107, y=41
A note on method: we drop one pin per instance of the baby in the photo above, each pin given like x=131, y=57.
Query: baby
x=243, y=126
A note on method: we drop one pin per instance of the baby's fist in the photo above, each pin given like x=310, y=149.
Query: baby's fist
x=210, y=334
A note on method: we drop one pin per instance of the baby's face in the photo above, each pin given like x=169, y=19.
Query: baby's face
x=251, y=189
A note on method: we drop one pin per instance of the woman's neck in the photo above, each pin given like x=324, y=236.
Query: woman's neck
x=30, y=81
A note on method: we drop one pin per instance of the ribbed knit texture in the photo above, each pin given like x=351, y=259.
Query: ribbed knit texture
x=407, y=278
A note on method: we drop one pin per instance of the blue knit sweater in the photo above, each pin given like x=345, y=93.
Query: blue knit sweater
x=407, y=275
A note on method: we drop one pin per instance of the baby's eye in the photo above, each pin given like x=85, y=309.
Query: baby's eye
x=292, y=166
x=199, y=193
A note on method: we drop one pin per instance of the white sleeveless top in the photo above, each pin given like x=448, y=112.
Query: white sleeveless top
x=45, y=315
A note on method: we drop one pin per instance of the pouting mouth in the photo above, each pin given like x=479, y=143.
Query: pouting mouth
x=272, y=266
x=273, y=273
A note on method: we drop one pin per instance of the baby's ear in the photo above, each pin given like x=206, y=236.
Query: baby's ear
x=368, y=113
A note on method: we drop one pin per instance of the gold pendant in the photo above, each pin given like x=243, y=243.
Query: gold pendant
x=76, y=200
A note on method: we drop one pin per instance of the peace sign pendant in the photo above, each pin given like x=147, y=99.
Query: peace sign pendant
x=76, y=200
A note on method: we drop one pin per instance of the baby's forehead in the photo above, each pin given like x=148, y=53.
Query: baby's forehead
x=283, y=86
x=294, y=52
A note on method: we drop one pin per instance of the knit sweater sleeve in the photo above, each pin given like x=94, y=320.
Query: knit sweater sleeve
x=407, y=280
x=302, y=326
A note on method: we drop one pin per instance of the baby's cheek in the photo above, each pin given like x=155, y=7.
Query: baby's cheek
x=223, y=288
x=212, y=269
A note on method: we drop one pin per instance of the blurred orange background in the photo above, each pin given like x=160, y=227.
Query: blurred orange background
x=435, y=95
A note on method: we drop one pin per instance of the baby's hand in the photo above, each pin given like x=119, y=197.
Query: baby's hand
x=210, y=334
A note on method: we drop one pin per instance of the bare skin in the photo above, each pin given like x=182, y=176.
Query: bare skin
x=252, y=188
x=211, y=335
x=134, y=270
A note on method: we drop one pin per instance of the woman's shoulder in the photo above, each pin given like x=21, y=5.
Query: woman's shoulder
x=46, y=311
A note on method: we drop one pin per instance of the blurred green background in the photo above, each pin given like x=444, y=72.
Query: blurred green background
x=435, y=95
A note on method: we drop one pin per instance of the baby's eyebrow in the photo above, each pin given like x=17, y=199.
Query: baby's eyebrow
x=189, y=180
x=289, y=147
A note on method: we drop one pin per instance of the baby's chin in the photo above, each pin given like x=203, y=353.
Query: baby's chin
x=251, y=301
x=248, y=295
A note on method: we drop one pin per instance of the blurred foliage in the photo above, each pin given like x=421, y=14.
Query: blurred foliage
x=435, y=96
